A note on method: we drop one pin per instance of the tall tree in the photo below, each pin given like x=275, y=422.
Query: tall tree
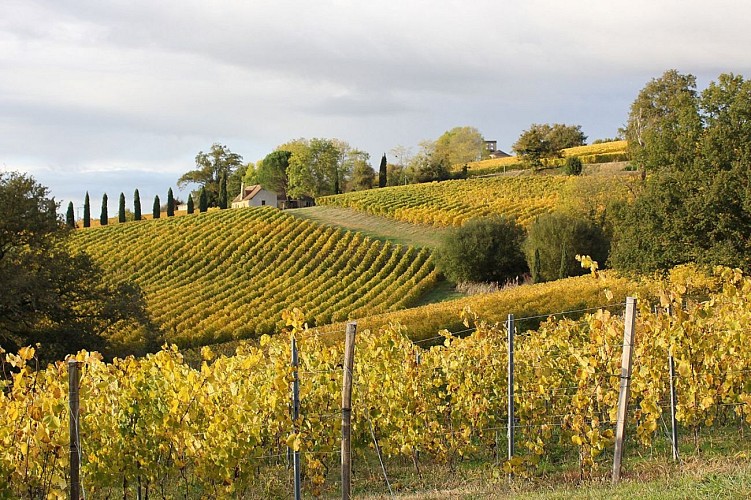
x=121, y=209
x=210, y=167
x=363, y=176
x=697, y=206
x=70, y=216
x=313, y=167
x=136, y=205
x=664, y=123
x=104, y=218
x=51, y=295
x=383, y=172
x=223, y=198
x=203, y=201
x=86, y=211
x=544, y=141
x=461, y=145
x=170, y=203
x=191, y=208
x=271, y=172
x=156, y=210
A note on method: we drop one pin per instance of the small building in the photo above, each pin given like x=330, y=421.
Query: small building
x=255, y=196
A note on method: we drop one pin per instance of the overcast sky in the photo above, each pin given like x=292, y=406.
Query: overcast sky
x=109, y=96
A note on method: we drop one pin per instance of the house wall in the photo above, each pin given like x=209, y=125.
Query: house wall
x=264, y=198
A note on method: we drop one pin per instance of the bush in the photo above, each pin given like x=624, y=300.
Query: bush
x=483, y=250
x=573, y=166
x=556, y=239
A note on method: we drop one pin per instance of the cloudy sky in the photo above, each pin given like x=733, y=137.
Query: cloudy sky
x=113, y=95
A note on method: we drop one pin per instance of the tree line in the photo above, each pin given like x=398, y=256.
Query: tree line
x=691, y=204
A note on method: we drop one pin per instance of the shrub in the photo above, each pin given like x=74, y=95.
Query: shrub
x=573, y=166
x=483, y=250
x=555, y=239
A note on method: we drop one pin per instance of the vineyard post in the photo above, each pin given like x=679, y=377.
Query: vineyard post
x=296, y=417
x=74, y=428
x=673, y=402
x=349, y=361
x=623, y=393
x=510, y=422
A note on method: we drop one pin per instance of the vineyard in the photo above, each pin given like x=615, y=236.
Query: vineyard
x=228, y=274
x=157, y=426
x=593, y=153
x=569, y=294
x=451, y=203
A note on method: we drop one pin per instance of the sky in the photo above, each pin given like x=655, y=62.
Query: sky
x=107, y=96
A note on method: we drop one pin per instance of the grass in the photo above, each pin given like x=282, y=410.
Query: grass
x=721, y=469
x=376, y=227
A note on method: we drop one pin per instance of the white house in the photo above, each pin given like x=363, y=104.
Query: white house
x=254, y=196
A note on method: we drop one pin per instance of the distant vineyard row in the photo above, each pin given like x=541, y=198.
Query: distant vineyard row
x=228, y=274
x=453, y=202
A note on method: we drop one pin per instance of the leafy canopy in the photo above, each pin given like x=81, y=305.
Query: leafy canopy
x=483, y=250
x=51, y=294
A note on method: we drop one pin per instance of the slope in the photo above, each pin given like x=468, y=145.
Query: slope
x=228, y=274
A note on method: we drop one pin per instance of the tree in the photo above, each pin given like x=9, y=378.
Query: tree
x=121, y=209
x=271, y=172
x=210, y=166
x=555, y=238
x=156, y=210
x=104, y=218
x=170, y=203
x=363, y=176
x=461, y=145
x=696, y=207
x=51, y=295
x=483, y=250
x=354, y=171
x=222, y=202
x=383, y=172
x=203, y=201
x=70, y=216
x=191, y=208
x=136, y=205
x=86, y=211
x=313, y=167
x=544, y=141
x=664, y=123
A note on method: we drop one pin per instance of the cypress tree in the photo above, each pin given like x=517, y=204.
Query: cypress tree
x=86, y=211
x=70, y=218
x=170, y=203
x=136, y=205
x=223, y=191
x=203, y=201
x=157, y=210
x=536, y=267
x=382, y=172
x=104, y=218
x=563, y=270
x=191, y=208
x=121, y=209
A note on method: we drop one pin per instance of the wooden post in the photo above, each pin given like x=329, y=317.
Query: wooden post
x=349, y=362
x=510, y=392
x=74, y=428
x=623, y=394
x=673, y=404
x=296, y=418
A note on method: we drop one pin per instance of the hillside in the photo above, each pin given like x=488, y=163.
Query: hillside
x=605, y=152
x=229, y=274
x=451, y=203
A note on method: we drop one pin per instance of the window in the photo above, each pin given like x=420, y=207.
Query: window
x=263, y=202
